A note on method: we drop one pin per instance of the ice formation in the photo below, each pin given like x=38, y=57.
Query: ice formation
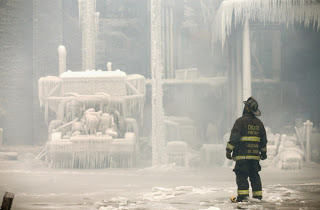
x=158, y=135
x=284, y=152
x=96, y=118
x=289, y=156
x=276, y=11
x=94, y=86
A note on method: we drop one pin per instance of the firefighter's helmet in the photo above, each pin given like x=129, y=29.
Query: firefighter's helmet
x=252, y=106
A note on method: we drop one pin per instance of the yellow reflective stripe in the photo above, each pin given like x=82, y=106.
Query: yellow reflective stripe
x=257, y=193
x=243, y=192
x=250, y=138
x=230, y=146
x=246, y=158
x=264, y=149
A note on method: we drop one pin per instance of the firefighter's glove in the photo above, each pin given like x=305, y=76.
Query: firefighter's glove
x=228, y=155
x=263, y=156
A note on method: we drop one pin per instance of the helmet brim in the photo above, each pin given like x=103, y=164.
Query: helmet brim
x=256, y=113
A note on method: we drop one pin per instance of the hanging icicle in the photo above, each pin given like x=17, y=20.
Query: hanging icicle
x=276, y=11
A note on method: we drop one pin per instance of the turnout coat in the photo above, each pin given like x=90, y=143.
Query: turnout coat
x=247, y=139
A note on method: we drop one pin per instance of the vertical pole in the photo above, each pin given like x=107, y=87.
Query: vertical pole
x=163, y=38
x=179, y=47
x=246, y=65
x=157, y=133
x=308, y=126
x=239, y=98
x=167, y=40
x=62, y=59
x=88, y=29
x=171, y=44
x=232, y=88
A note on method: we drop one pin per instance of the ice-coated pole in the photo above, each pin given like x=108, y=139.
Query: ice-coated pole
x=308, y=126
x=62, y=59
x=246, y=68
x=157, y=133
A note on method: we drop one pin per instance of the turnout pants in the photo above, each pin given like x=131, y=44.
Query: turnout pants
x=244, y=169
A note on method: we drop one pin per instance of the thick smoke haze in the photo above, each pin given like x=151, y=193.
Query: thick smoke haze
x=284, y=61
x=202, y=90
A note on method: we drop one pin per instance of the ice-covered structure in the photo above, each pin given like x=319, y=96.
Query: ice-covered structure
x=97, y=116
x=284, y=152
x=232, y=24
x=289, y=155
x=93, y=116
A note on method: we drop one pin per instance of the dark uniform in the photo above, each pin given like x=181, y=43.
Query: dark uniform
x=247, y=143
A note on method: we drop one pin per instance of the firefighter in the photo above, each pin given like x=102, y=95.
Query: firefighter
x=248, y=144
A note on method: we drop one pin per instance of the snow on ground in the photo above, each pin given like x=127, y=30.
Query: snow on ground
x=156, y=188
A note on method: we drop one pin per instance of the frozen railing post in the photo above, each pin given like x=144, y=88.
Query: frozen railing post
x=109, y=66
x=308, y=125
x=7, y=201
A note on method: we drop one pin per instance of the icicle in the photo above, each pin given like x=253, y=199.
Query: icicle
x=280, y=11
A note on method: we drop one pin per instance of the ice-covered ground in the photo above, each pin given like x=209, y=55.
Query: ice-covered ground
x=167, y=187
